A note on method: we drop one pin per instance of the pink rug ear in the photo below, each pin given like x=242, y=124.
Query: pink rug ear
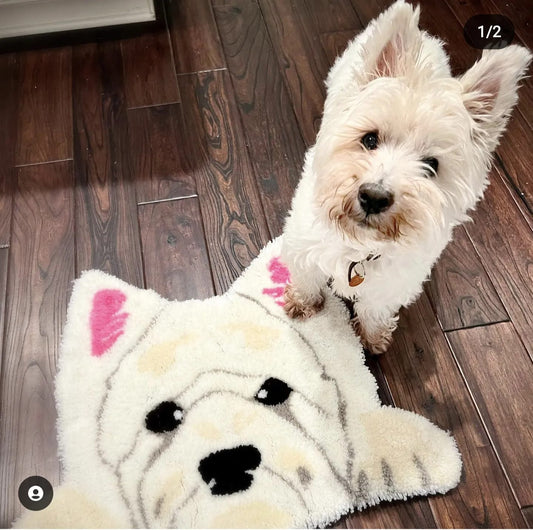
x=106, y=321
x=280, y=275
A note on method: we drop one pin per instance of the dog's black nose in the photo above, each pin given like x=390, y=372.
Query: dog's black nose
x=227, y=471
x=374, y=198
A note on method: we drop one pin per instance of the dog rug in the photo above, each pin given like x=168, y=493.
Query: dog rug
x=225, y=413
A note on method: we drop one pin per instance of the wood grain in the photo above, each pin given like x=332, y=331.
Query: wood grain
x=160, y=168
x=194, y=36
x=4, y=255
x=176, y=263
x=149, y=75
x=330, y=15
x=45, y=97
x=517, y=141
x=424, y=378
x=504, y=241
x=8, y=106
x=500, y=378
x=460, y=290
x=41, y=268
x=107, y=233
x=366, y=11
x=234, y=222
x=414, y=513
x=334, y=43
x=527, y=512
x=274, y=141
x=302, y=62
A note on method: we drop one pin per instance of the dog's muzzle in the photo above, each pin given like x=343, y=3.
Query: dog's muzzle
x=374, y=198
x=228, y=471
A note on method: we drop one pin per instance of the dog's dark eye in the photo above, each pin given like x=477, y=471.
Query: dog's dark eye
x=433, y=163
x=370, y=140
x=164, y=418
x=273, y=392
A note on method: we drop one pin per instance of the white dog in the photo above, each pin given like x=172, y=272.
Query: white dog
x=403, y=152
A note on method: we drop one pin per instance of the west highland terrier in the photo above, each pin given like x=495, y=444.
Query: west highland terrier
x=403, y=152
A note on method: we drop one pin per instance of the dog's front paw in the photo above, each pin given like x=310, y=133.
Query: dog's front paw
x=301, y=308
x=377, y=340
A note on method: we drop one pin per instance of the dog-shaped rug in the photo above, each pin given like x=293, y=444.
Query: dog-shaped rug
x=226, y=413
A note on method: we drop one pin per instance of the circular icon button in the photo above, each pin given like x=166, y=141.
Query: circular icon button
x=35, y=493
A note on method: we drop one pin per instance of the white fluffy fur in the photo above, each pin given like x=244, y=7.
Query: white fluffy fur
x=330, y=448
x=395, y=79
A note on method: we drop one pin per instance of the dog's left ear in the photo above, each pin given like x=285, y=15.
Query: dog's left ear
x=490, y=90
x=394, y=43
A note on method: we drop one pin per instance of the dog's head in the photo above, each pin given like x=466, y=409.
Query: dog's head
x=405, y=148
x=208, y=411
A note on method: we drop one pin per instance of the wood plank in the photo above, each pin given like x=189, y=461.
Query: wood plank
x=527, y=512
x=370, y=9
x=159, y=165
x=515, y=155
x=107, y=232
x=504, y=242
x=334, y=43
x=194, y=36
x=273, y=137
x=424, y=378
x=499, y=375
x=4, y=255
x=460, y=290
x=149, y=75
x=515, y=194
x=414, y=513
x=330, y=15
x=41, y=269
x=8, y=105
x=302, y=61
x=176, y=262
x=233, y=219
x=45, y=97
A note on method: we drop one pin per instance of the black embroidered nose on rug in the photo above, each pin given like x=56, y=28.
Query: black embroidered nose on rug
x=225, y=413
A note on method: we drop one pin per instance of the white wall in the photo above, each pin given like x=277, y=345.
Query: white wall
x=29, y=17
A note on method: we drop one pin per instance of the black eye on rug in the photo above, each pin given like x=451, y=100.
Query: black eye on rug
x=164, y=418
x=273, y=392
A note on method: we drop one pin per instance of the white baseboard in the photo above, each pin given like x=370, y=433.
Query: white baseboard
x=32, y=17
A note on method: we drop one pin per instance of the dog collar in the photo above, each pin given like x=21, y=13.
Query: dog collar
x=356, y=270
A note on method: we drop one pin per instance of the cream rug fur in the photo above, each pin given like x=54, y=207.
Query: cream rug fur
x=224, y=413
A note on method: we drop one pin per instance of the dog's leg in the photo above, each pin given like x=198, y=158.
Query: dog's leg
x=303, y=295
x=375, y=326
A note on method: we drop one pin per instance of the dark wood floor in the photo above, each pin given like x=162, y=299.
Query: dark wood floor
x=170, y=159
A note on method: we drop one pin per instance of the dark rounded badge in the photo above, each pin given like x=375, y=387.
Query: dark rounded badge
x=35, y=493
x=489, y=32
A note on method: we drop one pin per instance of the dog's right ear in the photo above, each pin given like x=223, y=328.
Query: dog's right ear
x=490, y=91
x=393, y=43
